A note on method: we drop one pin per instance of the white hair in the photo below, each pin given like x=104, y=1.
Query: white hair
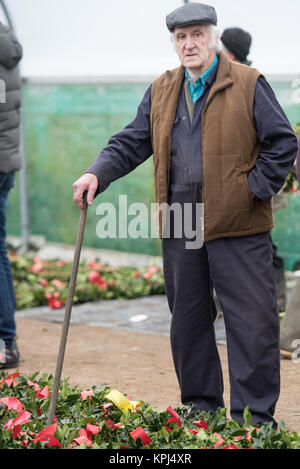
x=214, y=42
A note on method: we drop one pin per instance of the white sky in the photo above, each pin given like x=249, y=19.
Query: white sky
x=129, y=37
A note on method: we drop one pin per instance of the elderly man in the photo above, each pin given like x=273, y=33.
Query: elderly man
x=218, y=136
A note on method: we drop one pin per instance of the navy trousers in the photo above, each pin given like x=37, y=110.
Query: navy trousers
x=241, y=271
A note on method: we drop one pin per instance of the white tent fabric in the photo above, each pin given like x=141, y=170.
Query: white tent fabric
x=129, y=37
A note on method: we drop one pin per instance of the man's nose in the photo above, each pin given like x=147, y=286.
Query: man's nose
x=189, y=43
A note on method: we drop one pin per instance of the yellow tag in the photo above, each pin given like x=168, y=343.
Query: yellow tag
x=121, y=401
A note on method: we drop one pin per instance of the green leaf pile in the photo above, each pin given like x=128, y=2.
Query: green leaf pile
x=40, y=282
x=87, y=419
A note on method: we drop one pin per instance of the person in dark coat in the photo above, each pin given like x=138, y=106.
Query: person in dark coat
x=219, y=138
x=10, y=162
x=290, y=324
x=236, y=43
x=298, y=163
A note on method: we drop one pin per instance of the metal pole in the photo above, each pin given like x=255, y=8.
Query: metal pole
x=8, y=17
x=23, y=189
x=23, y=171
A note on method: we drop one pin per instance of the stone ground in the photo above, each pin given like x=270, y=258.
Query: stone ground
x=125, y=344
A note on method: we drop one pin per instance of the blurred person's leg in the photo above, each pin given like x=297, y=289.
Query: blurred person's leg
x=290, y=324
x=7, y=295
x=279, y=203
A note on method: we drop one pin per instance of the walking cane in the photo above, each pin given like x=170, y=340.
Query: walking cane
x=69, y=303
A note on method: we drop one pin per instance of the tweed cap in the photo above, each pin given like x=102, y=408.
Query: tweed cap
x=191, y=13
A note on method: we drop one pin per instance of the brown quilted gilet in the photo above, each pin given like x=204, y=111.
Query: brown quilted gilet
x=229, y=149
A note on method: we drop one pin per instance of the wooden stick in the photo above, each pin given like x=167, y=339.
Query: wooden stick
x=69, y=304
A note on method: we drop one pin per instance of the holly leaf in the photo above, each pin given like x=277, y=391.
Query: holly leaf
x=247, y=416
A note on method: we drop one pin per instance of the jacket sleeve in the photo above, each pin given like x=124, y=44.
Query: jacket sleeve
x=125, y=150
x=278, y=144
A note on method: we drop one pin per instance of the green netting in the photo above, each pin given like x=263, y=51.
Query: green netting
x=286, y=231
x=66, y=127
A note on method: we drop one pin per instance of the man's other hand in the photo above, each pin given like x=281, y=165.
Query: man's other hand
x=88, y=182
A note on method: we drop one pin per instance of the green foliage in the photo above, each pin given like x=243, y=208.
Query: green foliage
x=90, y=420
x=40, y=282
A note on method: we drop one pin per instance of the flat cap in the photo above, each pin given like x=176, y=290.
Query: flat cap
x=191, y=13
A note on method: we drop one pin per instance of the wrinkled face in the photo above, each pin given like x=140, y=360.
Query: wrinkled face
x=192, y=43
